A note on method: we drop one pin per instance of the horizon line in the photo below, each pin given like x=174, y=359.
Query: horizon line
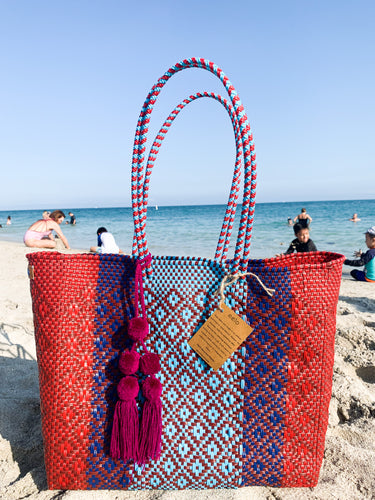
x=306, y=202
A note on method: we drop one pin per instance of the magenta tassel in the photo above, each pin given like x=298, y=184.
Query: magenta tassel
x=151, y=426
x=125, y=429
x=124, y=440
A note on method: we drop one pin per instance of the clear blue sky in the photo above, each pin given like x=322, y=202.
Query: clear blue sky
x=75, y=73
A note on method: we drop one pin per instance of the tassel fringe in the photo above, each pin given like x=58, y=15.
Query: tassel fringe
x=125, y=432
x=151, y=425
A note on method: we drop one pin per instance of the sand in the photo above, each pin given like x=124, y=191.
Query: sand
x=348, y=470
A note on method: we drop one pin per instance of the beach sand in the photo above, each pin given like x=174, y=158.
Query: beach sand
x=348, y=470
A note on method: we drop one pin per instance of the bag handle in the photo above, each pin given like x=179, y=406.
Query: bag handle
x=227, y=226
x=137, y=178
x=138, y=209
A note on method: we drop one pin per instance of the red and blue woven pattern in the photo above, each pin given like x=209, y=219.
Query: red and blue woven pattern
x=202, y=423
x=289, y=365
x=79, y=331
x=270, y=400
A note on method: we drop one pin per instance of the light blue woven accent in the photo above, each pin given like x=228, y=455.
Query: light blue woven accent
x=202, y=428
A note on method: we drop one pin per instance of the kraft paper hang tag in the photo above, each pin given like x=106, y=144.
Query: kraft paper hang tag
x=220, y=336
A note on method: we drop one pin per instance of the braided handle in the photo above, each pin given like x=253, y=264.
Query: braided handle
x=137, y=179
x=227, y=226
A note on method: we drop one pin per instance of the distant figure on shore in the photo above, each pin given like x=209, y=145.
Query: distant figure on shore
x=9, y=220
x=302, y=243
x=355, y=218
x=46, y=214
x=72, y=219
x=303, y=218
x=39, y=234
x=365, y=259
x=106, y=242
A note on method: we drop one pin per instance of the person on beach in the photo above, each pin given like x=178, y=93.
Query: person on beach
x=106, y=242
x=303, y=218
x=355, y=218
x=302, y=243
x=365, y=259
x=39, y=234
x=9, y=220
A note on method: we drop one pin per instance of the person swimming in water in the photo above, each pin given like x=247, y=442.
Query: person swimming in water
x=73, y=219
x=303, y=218
x=39, y=234
x=355, y=218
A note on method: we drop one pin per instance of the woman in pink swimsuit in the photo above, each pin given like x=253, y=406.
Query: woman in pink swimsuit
x=39, y=234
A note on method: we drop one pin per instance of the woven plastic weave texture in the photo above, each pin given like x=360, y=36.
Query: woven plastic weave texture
x=289, y=365
x=202, y=422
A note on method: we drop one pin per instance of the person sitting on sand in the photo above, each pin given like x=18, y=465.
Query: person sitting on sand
x=39, y=234
x=355, y=218
x=302, y=243
x=106, y=242
x=366, y=259
x=303, y=218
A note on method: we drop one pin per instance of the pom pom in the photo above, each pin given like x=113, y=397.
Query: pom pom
x=129, y=362
x=152, y=388
x=138, y=329
x=150, y=364
x=128, y=388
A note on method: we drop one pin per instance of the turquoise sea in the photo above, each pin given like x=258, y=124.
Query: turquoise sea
x=194, y=230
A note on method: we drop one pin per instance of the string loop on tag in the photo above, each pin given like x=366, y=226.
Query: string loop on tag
x=229, y=279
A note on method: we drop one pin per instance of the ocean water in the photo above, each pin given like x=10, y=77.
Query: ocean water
x=194, y=230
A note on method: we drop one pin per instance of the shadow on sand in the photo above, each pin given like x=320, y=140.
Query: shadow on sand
x=20, y=419
x=362, y=304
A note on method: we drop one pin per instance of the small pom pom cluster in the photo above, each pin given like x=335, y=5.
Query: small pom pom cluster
x=149, y=364
x=131, y=361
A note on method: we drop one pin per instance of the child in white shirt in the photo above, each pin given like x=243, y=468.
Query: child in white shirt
x=106, y=242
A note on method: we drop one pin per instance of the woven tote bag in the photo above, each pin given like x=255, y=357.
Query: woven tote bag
x=260, y=419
